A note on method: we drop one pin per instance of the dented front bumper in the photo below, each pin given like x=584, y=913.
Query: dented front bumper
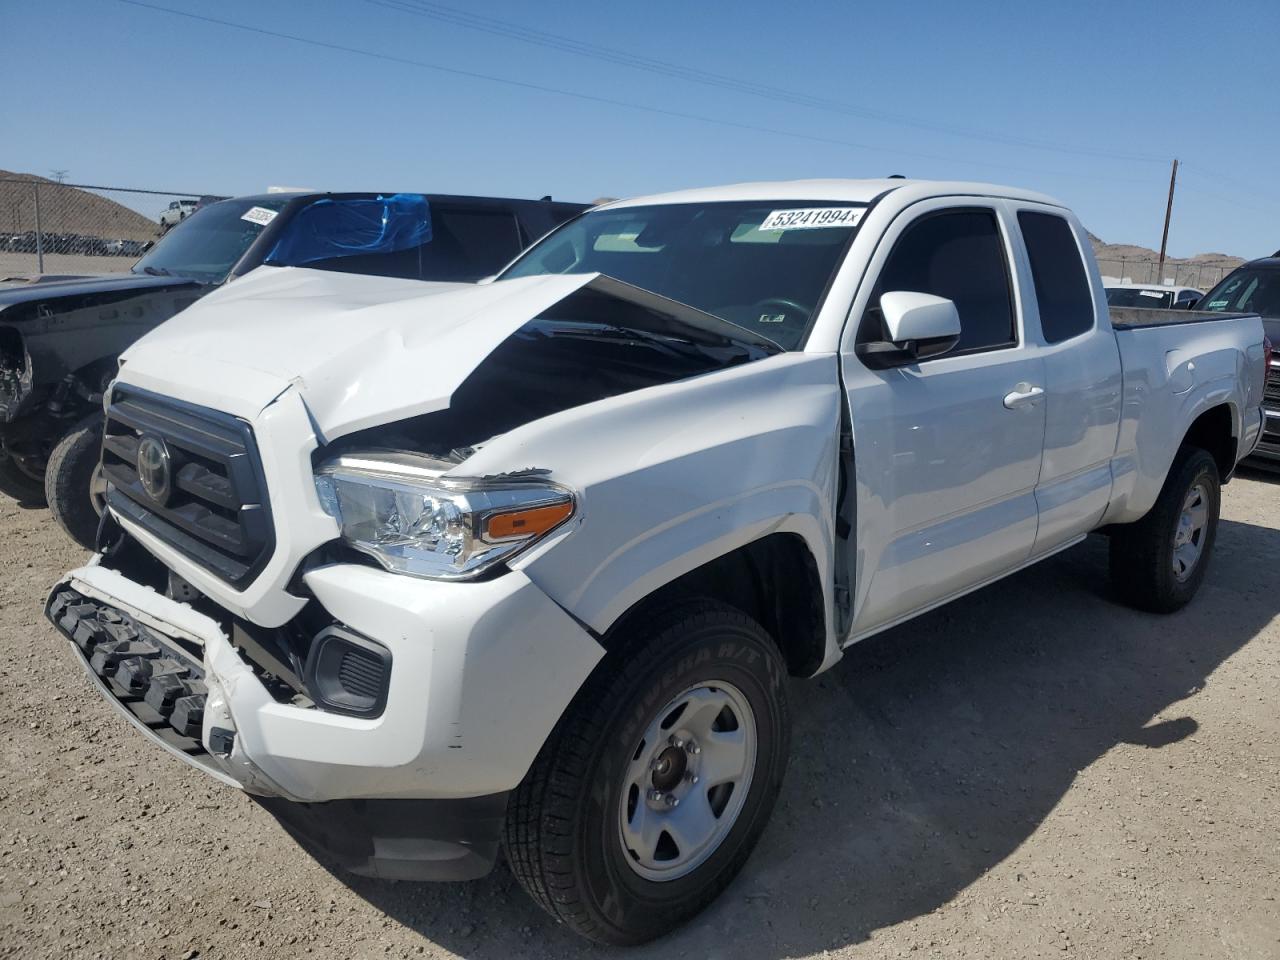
x=480, y=673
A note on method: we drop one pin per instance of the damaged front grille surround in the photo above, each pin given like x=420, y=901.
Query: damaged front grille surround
x=191, y=477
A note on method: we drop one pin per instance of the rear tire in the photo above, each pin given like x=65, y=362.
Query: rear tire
x=19, y=484
x=1158, y=563
x=69, y=481
x=689, y=706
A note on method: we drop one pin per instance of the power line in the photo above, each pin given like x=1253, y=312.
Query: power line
x=1204, y=173
x=608, y=101
x=530, y=35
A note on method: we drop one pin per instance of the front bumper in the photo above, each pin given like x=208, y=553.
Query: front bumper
x=480, y=674
x=1268, y=446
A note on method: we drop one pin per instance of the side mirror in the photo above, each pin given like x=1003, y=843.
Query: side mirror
x=920, y=326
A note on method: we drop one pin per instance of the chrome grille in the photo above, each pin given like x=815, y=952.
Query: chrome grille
x=213, y=504
x=1271, y=394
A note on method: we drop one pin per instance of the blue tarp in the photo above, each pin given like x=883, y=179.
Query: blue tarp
x=344, y=228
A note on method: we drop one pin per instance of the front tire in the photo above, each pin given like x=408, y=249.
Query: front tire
x=73, y=484
x=654, y=787
x=1158, y=563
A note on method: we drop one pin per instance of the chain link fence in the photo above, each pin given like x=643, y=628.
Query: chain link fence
x=1176, y=274
x=72, y=228
x=75, y=228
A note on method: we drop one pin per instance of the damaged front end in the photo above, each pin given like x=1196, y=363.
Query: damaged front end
x=604, y=339
x=15, y=374
x=58, y=347
x=278, y=601
x=400, y=492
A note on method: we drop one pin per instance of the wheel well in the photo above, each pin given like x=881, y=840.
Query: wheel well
x=775, y=581
x=1214, y=432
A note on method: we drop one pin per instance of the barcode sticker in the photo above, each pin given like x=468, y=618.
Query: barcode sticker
x=813, y=218
x=259, y=215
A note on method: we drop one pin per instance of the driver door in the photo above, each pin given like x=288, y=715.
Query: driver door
x=947, y=450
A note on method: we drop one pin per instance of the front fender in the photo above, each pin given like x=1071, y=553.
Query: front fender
x=673, y=476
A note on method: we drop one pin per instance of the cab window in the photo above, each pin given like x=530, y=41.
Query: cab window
x=959, y=255
x=1062, y=288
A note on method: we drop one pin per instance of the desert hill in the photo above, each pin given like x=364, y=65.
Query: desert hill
x=69, y=210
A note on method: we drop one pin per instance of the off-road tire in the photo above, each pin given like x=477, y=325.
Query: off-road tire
x=1141, y=560
x=562, y=833
x=17, y=483
x=67, y=480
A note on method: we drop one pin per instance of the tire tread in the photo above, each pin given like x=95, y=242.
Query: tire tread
x=542, y=815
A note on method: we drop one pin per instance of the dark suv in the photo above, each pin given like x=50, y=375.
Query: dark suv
x=1255, y=288
x=59, y=341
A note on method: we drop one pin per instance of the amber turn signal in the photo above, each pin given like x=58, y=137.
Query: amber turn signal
x=529, y=522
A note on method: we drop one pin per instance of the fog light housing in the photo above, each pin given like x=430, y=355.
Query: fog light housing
x=347, y=673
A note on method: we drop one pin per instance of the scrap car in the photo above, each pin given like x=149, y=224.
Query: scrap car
x=432, y=572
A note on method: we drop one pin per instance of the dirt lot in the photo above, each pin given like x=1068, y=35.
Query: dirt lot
x=1033, y=771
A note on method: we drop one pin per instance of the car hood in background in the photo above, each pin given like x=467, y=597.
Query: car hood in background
x=44, y=291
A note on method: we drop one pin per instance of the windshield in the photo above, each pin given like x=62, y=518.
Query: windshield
x=1135, y=297
x=762, y=265
x=211, y=241
x=1247, y=290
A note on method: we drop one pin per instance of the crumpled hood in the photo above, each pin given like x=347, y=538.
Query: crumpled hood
x=361, y=350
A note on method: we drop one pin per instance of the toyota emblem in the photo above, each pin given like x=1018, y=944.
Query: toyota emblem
x=154, y=468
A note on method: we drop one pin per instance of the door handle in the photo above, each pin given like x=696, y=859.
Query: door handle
x=1022, y=395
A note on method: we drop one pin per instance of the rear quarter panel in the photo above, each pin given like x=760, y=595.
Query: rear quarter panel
x=1173, y=374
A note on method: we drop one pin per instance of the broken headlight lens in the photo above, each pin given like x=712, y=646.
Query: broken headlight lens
x=399, y=509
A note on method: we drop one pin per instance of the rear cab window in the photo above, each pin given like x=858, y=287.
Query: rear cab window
x=1058, y=273
x=470, y=243
x=1148, y=297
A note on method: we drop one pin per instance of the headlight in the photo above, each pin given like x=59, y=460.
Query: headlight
x=400, y=510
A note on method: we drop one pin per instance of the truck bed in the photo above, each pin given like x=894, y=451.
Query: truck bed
x=1131, y=318
x=1173, y=362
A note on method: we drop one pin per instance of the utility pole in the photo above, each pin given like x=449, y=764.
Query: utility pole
x=1168, y=214
x=35, y=191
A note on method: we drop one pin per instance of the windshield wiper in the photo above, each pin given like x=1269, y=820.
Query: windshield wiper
x=672, y=346
x=156, y=271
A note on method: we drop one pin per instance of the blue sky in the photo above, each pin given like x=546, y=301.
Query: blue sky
x=121, y=94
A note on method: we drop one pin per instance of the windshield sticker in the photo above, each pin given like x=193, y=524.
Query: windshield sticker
x=1217, y=304
x=259, y=215
x=1151, y=293
x=813, y=218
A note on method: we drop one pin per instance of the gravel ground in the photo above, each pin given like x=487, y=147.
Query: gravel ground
x=1033, y=771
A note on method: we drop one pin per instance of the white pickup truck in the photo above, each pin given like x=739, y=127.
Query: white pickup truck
x=432, y=570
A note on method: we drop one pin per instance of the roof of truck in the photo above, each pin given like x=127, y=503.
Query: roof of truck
x=849, y=191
